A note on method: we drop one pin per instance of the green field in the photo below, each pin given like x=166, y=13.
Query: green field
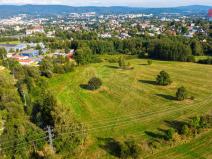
x=10, y=42
x=129, y=103
x=200, y=147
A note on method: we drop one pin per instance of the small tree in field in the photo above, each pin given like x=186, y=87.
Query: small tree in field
x=94, y=83
x=149, y=62
x=181, y=93
x=3, y=53
x=129, y=149
x=122, y=62
x=170, y=133
x=163, y=79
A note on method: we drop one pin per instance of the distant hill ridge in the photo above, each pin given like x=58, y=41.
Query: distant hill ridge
x=10, y=10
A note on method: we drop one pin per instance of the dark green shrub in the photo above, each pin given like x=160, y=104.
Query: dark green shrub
x=192, y=98
x=202, y=122
x=47, y=74
x=122, y=62
x=58, y=68
x=185, y=130
x=191, y=58
x=170, y=133
x=3, y=53
x=83, y=56
x=195, y=122
x=94, y=83
x=181, y=93
x=163, y=79
x=129, y=149
x=149, y=62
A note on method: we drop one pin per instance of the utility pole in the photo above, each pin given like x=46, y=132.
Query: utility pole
x=50, y=136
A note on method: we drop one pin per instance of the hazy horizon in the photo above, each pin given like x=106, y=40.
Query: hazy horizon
x=107, y=3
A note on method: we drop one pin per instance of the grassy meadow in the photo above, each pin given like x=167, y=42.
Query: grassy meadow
x=130, y=104
x=10, y=42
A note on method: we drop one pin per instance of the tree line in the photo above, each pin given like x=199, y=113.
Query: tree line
x=27, y=107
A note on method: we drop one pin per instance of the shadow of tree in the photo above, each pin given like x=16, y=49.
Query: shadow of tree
x=148, y=82
x=110, y=145
x=168, y=97
x=176, y=124
x=155, y=135
x=143, y=64
x=114, y=67
x=164, y=131
x=84, y=86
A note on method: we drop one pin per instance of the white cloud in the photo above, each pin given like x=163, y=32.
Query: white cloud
x=142, y=3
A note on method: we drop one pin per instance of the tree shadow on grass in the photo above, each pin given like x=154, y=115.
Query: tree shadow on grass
x=155, y=135
x=84, y=86
x=164, y=131
x=110, y=145
x=169, y=97
x=143, y=64
x=175, y=124
x=114, y=67
x=148, y=82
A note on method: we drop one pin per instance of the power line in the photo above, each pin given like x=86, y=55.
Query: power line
x=23, y=143
x=113, y=119
x=123, y=121
x=114, y=124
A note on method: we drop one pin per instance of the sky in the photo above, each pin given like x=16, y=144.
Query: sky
x=132, y=3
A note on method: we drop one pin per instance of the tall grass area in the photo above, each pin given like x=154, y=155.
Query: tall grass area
x=131, y=98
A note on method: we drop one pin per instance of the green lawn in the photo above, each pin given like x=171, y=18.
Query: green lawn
x=10, y=42
x=129, y=103
x=197, y=58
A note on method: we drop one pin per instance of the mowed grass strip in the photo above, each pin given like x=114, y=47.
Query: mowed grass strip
x=200, y=147
x=129, y=91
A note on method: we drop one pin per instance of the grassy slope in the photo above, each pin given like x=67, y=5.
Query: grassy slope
x=10, y=42
x=131, y=92
x=200, y=147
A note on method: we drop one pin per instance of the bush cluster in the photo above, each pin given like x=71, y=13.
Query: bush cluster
x=163, y=79
x=94, y=83
x=181, y=93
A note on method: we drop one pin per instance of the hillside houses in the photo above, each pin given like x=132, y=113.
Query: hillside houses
x=35, y=29
x=25, y=53
x=26, y=57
